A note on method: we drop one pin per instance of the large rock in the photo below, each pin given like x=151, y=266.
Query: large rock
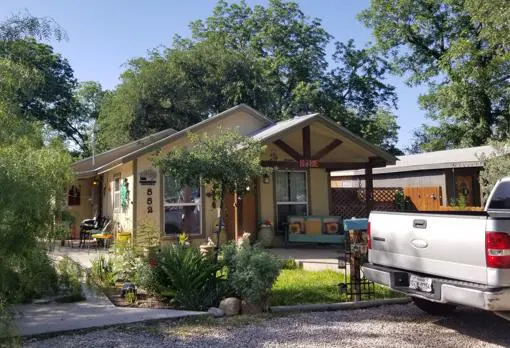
x=216, y=312
x=230, y=306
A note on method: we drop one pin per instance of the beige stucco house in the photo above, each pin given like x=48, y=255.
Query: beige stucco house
x=302, y=150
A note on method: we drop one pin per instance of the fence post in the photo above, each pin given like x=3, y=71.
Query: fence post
x=355, y=248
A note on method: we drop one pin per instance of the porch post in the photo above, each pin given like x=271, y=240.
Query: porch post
x=369, y=187
x=236, y=216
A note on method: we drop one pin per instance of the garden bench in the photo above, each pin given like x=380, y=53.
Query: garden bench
x=314, y=229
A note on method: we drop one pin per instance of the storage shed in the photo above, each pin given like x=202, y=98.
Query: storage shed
x=456, y=172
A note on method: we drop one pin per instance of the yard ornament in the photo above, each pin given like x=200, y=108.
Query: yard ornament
x=124, y=193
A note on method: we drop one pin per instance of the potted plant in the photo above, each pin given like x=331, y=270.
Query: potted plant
x=266, y=233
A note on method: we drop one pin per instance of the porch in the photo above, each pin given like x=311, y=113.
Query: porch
x=302, y=153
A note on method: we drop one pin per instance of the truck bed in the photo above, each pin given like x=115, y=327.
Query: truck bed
x=442, y=244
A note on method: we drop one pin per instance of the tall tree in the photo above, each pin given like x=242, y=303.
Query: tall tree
x=493, y=16
x=23, y=25
x=178, y=87
x=33, y=173
x=272, y=58
x=50, y=98
x=441, y=43
x=88, y=98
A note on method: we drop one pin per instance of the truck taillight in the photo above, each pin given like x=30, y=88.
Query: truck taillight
x=369, y=236
x=497, y=249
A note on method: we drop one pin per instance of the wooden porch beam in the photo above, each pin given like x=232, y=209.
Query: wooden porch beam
x=280, y=164
x=288, y=150
x=327, y=149
x=369, y=187
x=307, y=147
x=376, y=162
x=326, y=165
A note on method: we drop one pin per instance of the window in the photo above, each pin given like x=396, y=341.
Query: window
x=116, y=192
x=291, y=196
x=182, y=208
x=501, y=197
x=73, y=196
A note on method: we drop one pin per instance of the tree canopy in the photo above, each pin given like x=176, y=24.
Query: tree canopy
x=226, y=162
x=53, y=97
x=453, y=46
x=272, y=58
x=34, y=168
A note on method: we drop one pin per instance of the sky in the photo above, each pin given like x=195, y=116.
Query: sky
x=105, y=34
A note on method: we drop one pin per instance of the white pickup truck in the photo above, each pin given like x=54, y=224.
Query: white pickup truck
x=444, y=259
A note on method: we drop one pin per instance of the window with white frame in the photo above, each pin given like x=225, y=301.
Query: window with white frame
x=182, y=208
x=116, y=192
x=291, y=196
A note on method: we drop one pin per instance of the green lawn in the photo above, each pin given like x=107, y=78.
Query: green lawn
x=297, y=286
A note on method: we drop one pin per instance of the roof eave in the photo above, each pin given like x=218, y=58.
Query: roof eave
x=413, y=168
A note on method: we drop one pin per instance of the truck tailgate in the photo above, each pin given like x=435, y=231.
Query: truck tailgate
x=449, y=246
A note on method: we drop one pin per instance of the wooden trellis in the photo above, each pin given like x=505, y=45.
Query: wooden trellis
x=350, y=202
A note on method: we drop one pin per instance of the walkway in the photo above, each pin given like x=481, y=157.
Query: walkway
x=82, y=256
x=312, y=259
x=96, y=311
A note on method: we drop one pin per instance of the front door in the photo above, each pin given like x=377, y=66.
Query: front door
x=291, y=196
x=246, y=214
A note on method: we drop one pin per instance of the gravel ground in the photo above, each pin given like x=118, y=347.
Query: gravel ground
x=388, y=326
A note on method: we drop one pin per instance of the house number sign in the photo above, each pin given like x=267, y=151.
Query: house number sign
x=149, y=201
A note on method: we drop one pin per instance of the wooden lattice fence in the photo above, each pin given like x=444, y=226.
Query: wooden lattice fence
x=350, y=202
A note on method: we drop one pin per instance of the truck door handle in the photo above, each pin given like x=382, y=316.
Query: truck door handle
x=420, y=224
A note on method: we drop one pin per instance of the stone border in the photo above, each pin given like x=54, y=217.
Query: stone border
x=319, y=307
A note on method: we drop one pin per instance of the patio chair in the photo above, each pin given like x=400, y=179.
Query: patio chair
x=89, y=227
x=102, y=235
x=85, y=227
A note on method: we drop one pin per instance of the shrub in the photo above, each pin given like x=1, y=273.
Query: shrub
x=8, y=332
x=69, y=276
x=190, y=278
x=289, y=264
x=28, y=276
x=251, y=272
x=147, y=237
x=124, y=265
x=145, y=277
x=102, y=271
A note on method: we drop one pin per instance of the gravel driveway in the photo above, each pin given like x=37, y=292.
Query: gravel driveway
x=388, y=326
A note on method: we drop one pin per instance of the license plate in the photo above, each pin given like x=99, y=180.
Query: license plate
x=420, y=283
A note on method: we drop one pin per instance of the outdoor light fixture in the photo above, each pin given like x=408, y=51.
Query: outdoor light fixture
x=265, y=178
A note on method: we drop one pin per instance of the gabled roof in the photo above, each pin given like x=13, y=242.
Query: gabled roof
x=104, y=159
x=456, y=158
x=270, y=131
x=127, y=152
x=276, y=130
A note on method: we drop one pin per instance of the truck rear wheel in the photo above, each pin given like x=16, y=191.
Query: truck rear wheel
x=433, y=308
